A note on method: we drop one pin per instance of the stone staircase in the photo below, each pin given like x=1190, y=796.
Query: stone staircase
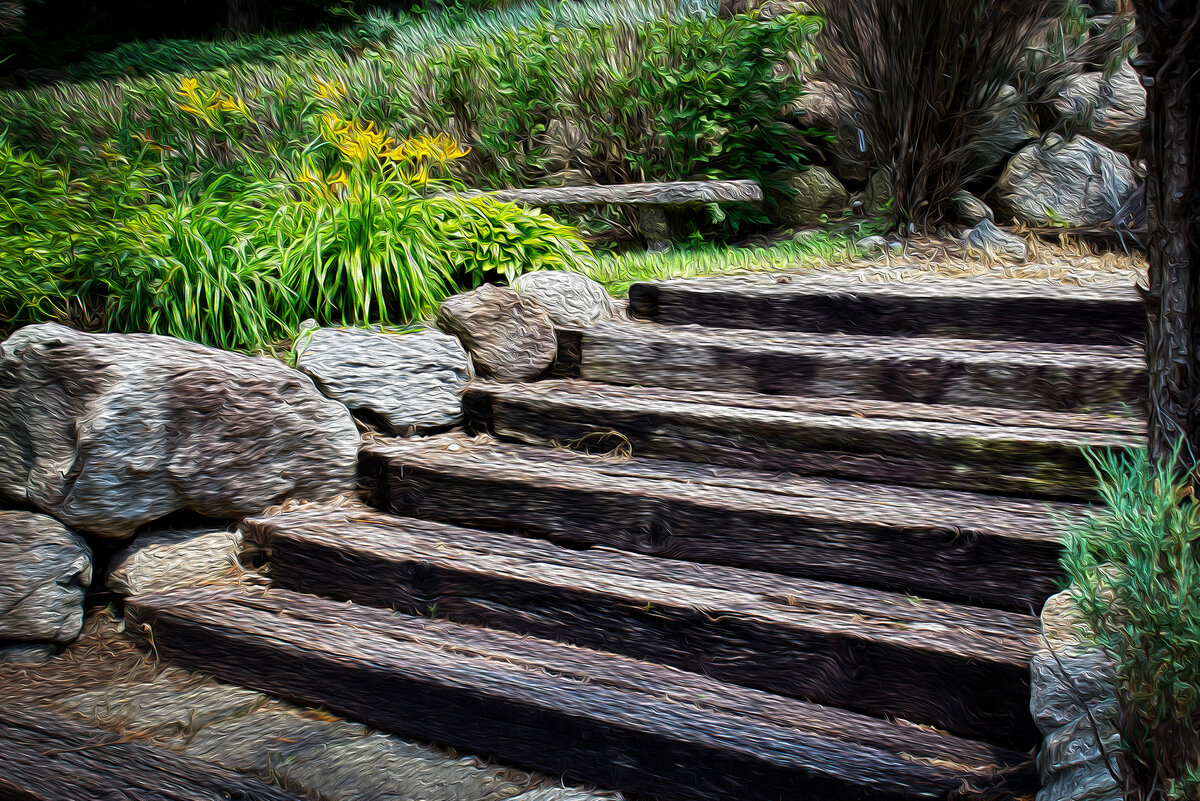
x=795, y=564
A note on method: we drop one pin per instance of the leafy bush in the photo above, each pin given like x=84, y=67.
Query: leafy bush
x=1135, y=568
x=927, y=77
x=646, y=99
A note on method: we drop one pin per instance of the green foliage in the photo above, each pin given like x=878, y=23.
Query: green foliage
x=1135, y=567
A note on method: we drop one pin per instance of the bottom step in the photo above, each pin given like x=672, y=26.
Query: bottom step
x=589, y=715
x=47, y=757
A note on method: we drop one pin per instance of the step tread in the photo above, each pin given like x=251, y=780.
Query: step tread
x=936, y=543
x=983, y=422
x=981, y=308
x=48, y=757
x=516, y=697
x=930, y=287
x=961, y=667
x=981, y=351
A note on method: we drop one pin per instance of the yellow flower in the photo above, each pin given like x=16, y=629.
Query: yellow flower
x=329, y=90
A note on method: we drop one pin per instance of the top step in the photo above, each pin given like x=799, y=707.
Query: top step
x=969, y=308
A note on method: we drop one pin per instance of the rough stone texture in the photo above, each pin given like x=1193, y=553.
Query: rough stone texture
x=1110, y=111
x=159, y=561
x=509, y=337
x=1010, y=130
x=827, y=108
x=405, y=383
x=879, y=192
x=666, y=193
x=878, y=246
x=27, y=653
x=989, y=240
x=44, y=570
x=817, y=192
x=110, y=431
x=1073, y=696
x=970, y=210
x=569, y=298
x=1078, y=182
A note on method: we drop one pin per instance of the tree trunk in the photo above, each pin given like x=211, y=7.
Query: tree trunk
x=244, y=16
x=1168, y=61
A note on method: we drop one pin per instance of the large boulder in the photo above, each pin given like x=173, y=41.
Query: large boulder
x=815, y=193
x=111, y=431
x=159, y=561
x=569, y=298
x=1076, y=182
x=44, y=571
x=405, y=383
x=1108, y=110
x=510, y=337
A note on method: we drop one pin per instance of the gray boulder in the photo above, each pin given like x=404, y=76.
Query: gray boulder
x=817, y=192
x=1076, y=182
x=158, y=561
x=1108, y=110
x=406, y=383
x=510, y=337
x=44, y=571
x=569, y=298
x=988, y=240
x=108, y=432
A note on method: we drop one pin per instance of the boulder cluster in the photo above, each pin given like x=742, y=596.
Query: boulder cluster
x=130, y=458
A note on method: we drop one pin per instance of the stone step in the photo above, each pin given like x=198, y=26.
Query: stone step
x=969, y=308
x=586, y=714
x=949, y=371
x=45, y=756
x=960, y=668
x=1000, y=552
x=1028, y=453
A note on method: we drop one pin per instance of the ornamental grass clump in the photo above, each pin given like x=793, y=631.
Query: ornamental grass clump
x=1135, y=572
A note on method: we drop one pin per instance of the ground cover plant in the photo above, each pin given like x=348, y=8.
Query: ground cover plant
x=1135, y=572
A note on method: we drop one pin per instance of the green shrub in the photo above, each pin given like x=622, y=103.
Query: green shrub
x=1135, y=568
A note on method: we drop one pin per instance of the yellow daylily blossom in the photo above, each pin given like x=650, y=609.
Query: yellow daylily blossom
x=329, y=90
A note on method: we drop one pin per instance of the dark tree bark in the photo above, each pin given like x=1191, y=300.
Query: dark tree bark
x=244, y=16
x=1169, y=62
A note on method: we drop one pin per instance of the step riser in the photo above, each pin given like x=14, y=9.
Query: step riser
x=805, y=446
x=948, y=562
x=1115, y=385
x=1028, y=319
x=593, y=733
x=963, y=693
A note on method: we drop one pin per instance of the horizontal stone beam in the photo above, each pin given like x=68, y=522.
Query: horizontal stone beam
x=679, y=193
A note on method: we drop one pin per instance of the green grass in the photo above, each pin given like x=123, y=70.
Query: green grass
x=618, y=271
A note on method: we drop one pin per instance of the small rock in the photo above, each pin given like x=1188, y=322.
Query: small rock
x=510, y=338
x=991, y=241
x=570, y=298
x=159, y=561
x=1108, y=110
x=44, y=572
x=1076, y=182
x=108, y=432
x=873, y=245
x=970, y=210
x=405, y=383
x=879, y=194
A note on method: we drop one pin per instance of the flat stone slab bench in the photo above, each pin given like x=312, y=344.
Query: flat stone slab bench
x=650, y=198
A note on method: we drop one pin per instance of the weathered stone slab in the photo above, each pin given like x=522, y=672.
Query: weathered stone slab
x=44, y=572
x=1077, y=182
x=405, y=382
x=676, y=193
x=111, y=431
